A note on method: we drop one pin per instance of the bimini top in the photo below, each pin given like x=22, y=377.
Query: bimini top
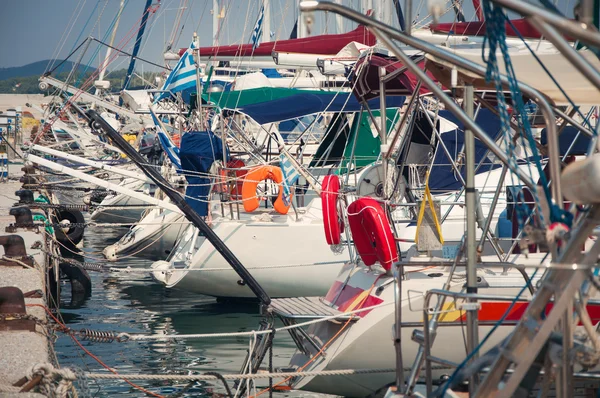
x=478, y=28
x=442, y=177
x=529, y=71
x=366, y=77
x=308, y=103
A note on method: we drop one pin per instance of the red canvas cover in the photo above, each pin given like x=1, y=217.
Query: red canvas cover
x=322, y=44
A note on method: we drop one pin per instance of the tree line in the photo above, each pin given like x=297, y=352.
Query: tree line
x=30, y=84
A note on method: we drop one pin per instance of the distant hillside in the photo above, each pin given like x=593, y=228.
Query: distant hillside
x=34, y=69
x=28, y=84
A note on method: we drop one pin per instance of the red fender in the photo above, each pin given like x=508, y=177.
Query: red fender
x=371, y=232
x=232, y=178
x=236, y=191
x=334, y=225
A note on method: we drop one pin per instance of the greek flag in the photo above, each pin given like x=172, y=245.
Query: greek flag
x=257, y=32
x=183, y=76
x=167, y=144
x=290, y=177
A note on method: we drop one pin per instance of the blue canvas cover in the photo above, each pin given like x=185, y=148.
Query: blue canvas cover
x=567, y=140
x=308, y=103
x=442, y=177
x=199, y=149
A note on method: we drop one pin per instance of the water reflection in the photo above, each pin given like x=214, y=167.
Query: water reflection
x=134, y=303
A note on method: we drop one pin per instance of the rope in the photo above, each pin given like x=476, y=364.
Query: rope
x=92, y=355
x=139, y=337
x=144, y=270
x=496, y=39
x=448, y=384
x=124, y=41
x=50, y=381
x=14, y=260
x=9, y=388
x=357, y=303
x=55, y=382
x=208, y=377
x=550, y=75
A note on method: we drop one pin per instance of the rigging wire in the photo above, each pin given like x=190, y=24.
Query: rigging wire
x=487, y=336
x=551, y=76
x=89, y=81
x=65, y=34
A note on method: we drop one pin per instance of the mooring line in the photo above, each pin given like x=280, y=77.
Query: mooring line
x=265, y=375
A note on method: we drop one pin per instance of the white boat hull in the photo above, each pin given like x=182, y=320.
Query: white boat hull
x=288, y=258
x=123, y=209
x=368, y=342
x=153, y=237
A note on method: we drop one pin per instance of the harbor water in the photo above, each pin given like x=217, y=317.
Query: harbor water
x=133, y=302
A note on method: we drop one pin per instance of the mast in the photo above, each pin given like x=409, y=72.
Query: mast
x=215, y=15
x=136, y=46
x=266, y=28
x=339, y=20
x=100, y=82
x=397, y=10
x=301, y=32
x=408, y=17
x=471, y=204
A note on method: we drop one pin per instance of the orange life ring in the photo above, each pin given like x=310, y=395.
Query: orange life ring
x=372, y=233
x=251, y=181
x=334, y=225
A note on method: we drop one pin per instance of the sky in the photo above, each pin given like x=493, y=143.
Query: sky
x=34, y=30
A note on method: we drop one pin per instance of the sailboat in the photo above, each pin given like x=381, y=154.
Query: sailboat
x=271, y=243
x=379, y=301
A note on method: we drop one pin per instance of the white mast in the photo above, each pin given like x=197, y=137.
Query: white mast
x=266, y=35
x=339, y=21
x=100, y=84
x=216, y=13
x=302, y=32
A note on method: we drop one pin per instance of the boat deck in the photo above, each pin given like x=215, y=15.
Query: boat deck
x=305, y=308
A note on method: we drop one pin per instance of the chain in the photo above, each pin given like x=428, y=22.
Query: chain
x=99, y=267
x=59, y=207
x=95, y=336
x=51, y=187
x=54, y=225
x=83, y=191
x=27, y=317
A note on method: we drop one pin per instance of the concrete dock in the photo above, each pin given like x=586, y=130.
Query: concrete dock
x=22, y=350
